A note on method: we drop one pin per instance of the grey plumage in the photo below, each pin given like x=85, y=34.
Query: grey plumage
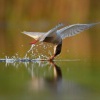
x=55, y=35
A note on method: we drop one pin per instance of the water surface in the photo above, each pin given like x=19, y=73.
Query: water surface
x=58, y=80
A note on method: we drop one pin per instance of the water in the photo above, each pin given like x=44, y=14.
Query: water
x=42, y=80
x=74, y=75
x=29, y=78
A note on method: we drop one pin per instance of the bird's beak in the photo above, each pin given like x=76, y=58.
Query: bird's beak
x=34, y=42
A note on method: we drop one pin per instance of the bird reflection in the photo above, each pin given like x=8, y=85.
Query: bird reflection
x=53, y=83
x=57, y=71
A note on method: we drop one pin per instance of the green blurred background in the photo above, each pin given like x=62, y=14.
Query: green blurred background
x=41, y=15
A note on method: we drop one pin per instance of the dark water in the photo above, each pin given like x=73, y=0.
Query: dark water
x=58, y=80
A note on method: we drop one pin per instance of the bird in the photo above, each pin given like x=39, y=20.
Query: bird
x=56, y=35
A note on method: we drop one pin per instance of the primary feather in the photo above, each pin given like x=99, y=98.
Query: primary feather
x=74, y=29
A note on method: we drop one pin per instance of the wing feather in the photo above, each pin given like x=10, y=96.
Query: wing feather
x=52, y=32
x=72, y=30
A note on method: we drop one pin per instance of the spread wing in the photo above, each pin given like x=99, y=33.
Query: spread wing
x=34, y=35
x=72, y=30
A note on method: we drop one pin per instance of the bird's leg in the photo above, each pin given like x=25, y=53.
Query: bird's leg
x=57, y=50
x=34, y=42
